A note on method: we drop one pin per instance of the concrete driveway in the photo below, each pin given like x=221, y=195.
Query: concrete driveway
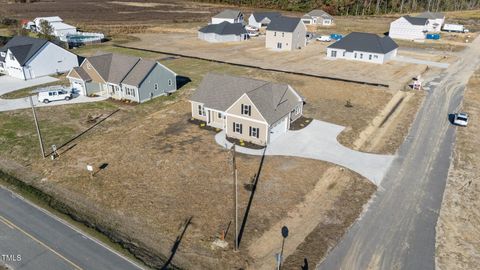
x=319, y=141
x=10, y=84
x=24, y=103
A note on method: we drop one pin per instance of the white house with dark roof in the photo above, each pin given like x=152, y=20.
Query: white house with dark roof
x=223, y=32
x=28, y=58
x=122, y=77
x=366, y=47
x=228, y=15
x=435, y=20
x=317, y=17
x=286, y=34
x=246, y=109
x=261, y=19
x=409, y=28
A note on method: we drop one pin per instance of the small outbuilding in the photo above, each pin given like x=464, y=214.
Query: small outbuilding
x=60, y=29
x=366, y=47
x=228, y=15
x=223, y=32
x=317, y=17
x=409, y=28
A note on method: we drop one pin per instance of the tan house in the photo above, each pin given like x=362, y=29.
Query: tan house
x=286, y=34
x=318, y=17
x=247, y=109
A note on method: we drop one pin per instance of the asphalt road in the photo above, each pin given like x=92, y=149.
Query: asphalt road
x=398, y=229
x=33, y=239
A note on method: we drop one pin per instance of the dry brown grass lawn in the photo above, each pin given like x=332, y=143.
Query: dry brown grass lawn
x=163, y=169
x=458, y=235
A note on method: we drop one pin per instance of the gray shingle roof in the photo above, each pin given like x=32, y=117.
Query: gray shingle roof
x=431, y=15
x=139, y=72
x=228, y=14
x=224, y=28
x=320, y=13
x=113, y=67
x=283, y=24
x=259, y=16
x=365, y=42
x=83, y=74
x=416, y=20
x=220, y=91
x=23, y=48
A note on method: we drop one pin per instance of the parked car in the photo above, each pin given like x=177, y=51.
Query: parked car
x=324, y=38
x=54, y=95
x=461, y=119
x=253, y=33
x=251, y=28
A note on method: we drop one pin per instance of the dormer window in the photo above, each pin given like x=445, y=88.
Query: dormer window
x=246, y=110
x=2, y=54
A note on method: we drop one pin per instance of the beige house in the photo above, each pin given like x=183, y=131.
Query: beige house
x=318, y=17
x=247, y=109
x=286, y=34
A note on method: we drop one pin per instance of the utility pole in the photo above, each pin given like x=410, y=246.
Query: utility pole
x=37, y=127
x=235, y=197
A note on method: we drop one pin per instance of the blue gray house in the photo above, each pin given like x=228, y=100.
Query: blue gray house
x=122, y=77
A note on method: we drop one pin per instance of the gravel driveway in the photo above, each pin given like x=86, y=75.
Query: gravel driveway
x=319, y=141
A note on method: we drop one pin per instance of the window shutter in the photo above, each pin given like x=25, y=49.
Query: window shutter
x=249, y=110
x=250, y=131
x=233, y=126
x=241, y=128
x=258, y=131
x=242, y=109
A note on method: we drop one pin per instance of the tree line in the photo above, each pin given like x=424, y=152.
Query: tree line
x=357, y=7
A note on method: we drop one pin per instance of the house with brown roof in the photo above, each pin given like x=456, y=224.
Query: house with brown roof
x=247, y=109
x=122, y=77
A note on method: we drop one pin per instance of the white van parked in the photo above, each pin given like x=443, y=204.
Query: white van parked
x=54, y=95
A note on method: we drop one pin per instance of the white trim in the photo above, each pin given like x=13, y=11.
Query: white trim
x=246, y=118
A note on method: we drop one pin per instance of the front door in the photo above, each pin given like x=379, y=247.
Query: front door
x=111, y=89
x=209, y=117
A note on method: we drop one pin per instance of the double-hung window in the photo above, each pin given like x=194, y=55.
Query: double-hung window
x=246, y=110
x=253, y=132
x=201, y=110
x=237, y=128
